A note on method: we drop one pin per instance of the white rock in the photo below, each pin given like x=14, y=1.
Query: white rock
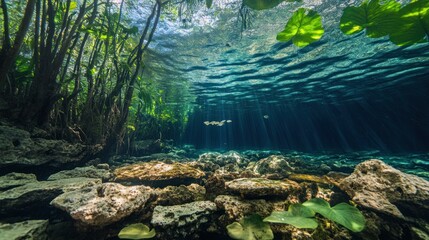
x=103, y=204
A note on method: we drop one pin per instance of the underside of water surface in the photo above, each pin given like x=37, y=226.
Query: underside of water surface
x=343, y=92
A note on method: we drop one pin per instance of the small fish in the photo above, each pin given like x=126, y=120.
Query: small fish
x=266, y=116
x=229, y=121
x=223, y=121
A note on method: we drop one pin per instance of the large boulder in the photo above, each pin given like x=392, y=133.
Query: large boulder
x=99, y=171
x=230, y=157
x=273, y=165
x=103, y=204
x=36, y=195
x=30, y=229
x=158, y=174
x=175, y=195
x=382, y=188
x=184, y=221
x=19, y=149
x=262, y=187
x=14, y=179
x=236, y=208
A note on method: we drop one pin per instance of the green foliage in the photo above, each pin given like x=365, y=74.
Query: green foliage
x=297, y=215
x=303, y=28
x=209, y=3
x=343, y=213
x=261, y=4
x=405, y=26
x=250, y=228
x=136, y=231
x=302, y=215
x=375, y=18
x=413, y=24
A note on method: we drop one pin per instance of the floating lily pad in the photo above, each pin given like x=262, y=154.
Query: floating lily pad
x=136, y=231
x=413, y=24
x=209, y=3
x=344, y=214
x=297, y=215
x=261, y=4
x=303, y=28
x=378, y=20
x=250, y=228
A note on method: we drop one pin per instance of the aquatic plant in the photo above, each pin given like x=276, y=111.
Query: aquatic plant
x=405, y=25
x=250, y=228
x=301, y=215
x=303, y=28
x=297, y=215
x=136, y=231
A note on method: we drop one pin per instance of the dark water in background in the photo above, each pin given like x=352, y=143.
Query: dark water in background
x=399, y=122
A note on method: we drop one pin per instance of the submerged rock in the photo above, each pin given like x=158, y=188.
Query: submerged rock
x=172, y=195
x=30, y=229
x=184, y=221
x=89, y=172
x=310, y=178
x=236, y=208
x=158, y=173
x=272, y=165
x=18, y=148
x=262, y=187
x=103, y=204
x=14, y=179
x=30, y=197
x=230, y=157
x=382, y=188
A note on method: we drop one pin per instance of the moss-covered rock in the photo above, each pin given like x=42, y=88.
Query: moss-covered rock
x=262, y=187
x=158, y=174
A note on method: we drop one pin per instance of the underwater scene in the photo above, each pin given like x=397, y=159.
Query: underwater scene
x=214, y=119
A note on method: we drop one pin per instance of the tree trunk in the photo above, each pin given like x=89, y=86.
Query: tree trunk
x=8, y=56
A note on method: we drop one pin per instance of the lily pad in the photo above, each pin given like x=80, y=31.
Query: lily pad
x=413, y=24
x=250, y=228
x=209, y=3
x=297, y=215
x=344, y=214
x=303, y=28
x=378, y=20
x=262, y=4
x=136, y=231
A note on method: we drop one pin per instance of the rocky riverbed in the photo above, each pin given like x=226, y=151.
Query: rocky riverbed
x=185, y=194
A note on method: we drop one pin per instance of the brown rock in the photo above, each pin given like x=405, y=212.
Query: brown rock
x=310, y=178
x=158, y=173
x=380, y=187
x=236, y=208
x=262, y=187
x=175, y=195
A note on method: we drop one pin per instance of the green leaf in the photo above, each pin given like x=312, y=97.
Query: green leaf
x=261, y=4
x=136, y=231
x=297, y=215
x=250, y=228
x=73, y=6
x=378, y=20
x=303, y=28
x=413, y=26
x=344, y=214
x=209, y=3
